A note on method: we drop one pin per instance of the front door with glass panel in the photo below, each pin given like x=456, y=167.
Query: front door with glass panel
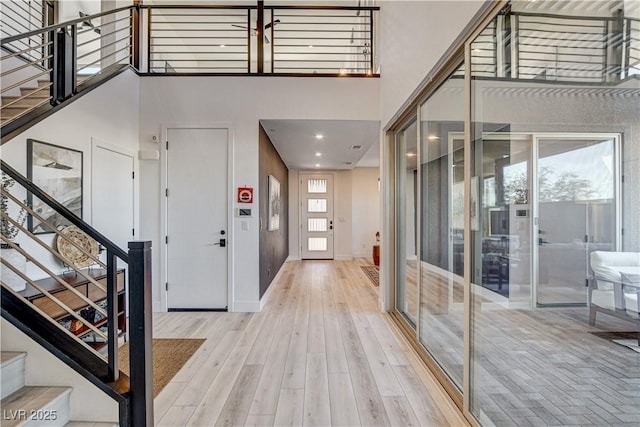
x=316, y=220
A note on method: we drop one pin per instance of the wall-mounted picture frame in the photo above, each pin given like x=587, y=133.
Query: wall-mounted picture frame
x=58, y=171
x=274, y=204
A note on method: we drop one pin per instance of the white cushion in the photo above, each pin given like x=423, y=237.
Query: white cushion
x=608, y=265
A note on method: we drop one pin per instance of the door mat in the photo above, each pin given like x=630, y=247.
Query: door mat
x=169, y=355
x=372, y=272
x=627, y=339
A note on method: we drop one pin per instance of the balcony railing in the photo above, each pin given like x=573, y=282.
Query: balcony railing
x=582, y=49
x=260, y=40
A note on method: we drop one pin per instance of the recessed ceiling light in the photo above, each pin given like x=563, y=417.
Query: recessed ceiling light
x=319, y=136
x=318, y=154
x=433, y=137
x=411, y=154
x=310, y=45
x=317, y=165
x=343, y=71
x=222, y=45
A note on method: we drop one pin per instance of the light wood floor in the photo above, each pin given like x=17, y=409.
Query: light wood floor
x=319, y=353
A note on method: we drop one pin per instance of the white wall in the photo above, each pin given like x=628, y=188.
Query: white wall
x=110, y=114
x=87, y=402
x=241, y=102
x=365, y=202
x=412, y=36
x=342, y=216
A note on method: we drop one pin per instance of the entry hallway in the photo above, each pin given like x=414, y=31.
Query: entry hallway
x=319, y=353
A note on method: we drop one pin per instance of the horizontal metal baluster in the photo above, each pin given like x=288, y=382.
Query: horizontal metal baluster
x=53, y=322
x=54, y=276
x=39, y=217
x=54, y=299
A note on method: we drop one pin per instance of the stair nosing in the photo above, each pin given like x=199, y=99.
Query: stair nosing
x=15, y=356
x=62, y=392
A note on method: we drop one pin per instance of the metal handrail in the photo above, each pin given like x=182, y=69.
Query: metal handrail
x=62, y=25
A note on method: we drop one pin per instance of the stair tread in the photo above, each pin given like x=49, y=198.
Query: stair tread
x=27, y=399
x=7, y=357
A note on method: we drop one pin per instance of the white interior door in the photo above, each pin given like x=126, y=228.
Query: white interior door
x=112, y=211
x=197, y=223
x=316, y=220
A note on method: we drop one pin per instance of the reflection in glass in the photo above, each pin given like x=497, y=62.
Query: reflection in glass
x=406, y=217
x=442, y=225
x=576, y=188
x=555, y=127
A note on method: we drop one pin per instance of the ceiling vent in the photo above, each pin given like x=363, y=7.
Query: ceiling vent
x=356, y=147
x=348, y=163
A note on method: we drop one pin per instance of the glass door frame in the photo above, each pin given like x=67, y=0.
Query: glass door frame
x=534, y=138
x=400, y=220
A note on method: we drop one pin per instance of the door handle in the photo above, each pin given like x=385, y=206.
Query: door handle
x=222, y=243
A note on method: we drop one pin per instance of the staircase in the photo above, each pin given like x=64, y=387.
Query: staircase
x=30, y=97
x=24, y=405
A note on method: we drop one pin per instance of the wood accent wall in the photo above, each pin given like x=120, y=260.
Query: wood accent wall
x=274, y=245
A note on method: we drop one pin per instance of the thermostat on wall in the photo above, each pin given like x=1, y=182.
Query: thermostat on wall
x=243, y=212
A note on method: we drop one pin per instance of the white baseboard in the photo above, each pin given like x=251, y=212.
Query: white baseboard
x=362, y=255
x=246, y=306
x=343, y=257
x=293, y=258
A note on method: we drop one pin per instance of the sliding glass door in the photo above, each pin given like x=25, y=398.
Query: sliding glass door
x=576, y=212
x=406, y=299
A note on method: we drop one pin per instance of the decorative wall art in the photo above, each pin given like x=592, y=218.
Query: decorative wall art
x=58, y=172
x=274, y=204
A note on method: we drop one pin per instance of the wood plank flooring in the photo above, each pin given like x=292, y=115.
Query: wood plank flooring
x=320, y=353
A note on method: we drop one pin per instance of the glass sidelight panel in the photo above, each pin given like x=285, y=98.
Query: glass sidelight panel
x=317, y=205
x=576, y=211
x=442, y=225
x=317, y=224
x=406, y=223
x=316, y=186
x=505, y=212
x=317, y=244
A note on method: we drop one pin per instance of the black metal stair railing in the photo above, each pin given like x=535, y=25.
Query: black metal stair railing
x=45, y=66
x=49, y=310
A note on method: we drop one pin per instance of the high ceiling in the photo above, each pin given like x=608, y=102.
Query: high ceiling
x=298, y=144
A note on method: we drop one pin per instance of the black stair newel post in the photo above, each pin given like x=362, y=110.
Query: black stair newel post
x=140, y=334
